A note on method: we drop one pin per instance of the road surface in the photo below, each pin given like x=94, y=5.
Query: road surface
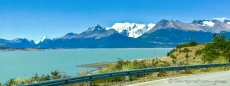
x=209, y=79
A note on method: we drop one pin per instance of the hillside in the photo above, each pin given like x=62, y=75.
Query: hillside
x=180, y=54
x=216, y=51
x=4, y=46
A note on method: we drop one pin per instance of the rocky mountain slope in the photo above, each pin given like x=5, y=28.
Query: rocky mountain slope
x=165, y=33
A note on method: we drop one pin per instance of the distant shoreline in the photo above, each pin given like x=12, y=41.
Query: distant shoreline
x=43, y=49
x=106, y=64
x=22, y=49
x=97, y=65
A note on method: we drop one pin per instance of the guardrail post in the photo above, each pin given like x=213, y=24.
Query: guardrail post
x=224, y=67
x=127, y=78
x=205, y=69
x=89, y=83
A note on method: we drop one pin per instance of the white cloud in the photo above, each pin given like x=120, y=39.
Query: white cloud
x=209, y=23
x=221, y=19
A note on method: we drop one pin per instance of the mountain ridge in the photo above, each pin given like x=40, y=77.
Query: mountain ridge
x=133, y=30
x=165, y=33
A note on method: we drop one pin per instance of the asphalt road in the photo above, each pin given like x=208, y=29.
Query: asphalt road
x=209, y=79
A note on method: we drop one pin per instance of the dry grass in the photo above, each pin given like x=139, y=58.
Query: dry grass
x=192, y=60
x=192, y=50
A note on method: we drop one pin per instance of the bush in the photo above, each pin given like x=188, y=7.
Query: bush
x=154, y=63
x=169, y=53
x=36, y=78
x=186, y=50
x=12, y=82
x=173, y=56
x=186, y=56
x=119, y=64
x=191, y=43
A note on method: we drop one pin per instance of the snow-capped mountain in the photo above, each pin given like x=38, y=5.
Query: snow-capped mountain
x=18, y=43
x=165, y=33
x=214, y=26
x=227, y=21
x=41, y=40
x=96, y=28
x=97, y=32
x=4, y=46
x=94, y=37
x=92, y=32
x=131, y=29
x=166, y=24
x=171, y=33
x=208, y=23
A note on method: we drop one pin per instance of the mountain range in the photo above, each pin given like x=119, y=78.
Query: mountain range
x=165, y=33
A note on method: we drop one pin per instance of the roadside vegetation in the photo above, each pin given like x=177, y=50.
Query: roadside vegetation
x=36, y=78
x=192, y=53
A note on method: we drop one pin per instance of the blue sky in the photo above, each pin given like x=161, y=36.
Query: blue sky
x=34, y=19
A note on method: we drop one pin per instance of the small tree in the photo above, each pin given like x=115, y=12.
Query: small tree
x=226, y=51
x=210, y=53
x=186, y=50
x=187, y=56
x=57, y=75
x=173, y=58
x=198, y=53
x=219, y=41
x=169, y=53
x=119, y=64
x=192, y=43
x=35, y=78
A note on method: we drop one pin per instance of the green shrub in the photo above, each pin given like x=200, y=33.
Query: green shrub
x=191, y=43
x=186, y=56
x=169, y=53
x=119, y=64
x=56, y=75
x=186, y=50
x=154, y=63
x=173, y=56
x=12, y=82
x=36, y=78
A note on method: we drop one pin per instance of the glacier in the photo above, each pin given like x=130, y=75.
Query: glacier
x=41, y=40
x=133, y=30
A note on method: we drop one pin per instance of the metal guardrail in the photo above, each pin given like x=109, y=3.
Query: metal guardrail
x=92, y=77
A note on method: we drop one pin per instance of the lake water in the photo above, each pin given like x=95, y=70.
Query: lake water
x=14, y=64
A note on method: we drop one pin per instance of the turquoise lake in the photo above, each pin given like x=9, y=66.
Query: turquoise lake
x=14, y=64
